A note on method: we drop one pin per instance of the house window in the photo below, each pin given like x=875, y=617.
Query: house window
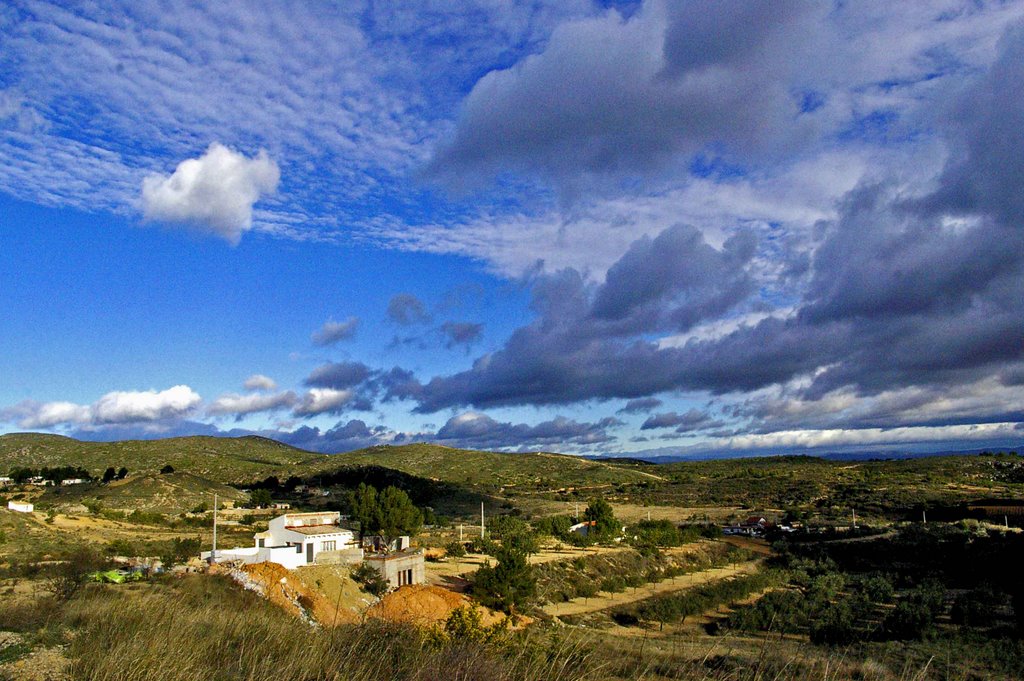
x=330, y=546
x=298, y=548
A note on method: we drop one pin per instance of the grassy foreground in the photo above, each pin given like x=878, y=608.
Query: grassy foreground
x=202, y=627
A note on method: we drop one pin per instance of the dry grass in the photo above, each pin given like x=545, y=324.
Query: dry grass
x=205, y=628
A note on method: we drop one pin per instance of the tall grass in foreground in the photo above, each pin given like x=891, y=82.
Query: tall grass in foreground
x=203, y=628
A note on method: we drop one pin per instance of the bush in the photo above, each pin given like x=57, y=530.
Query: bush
x=554, y=526
x=260, y=498
x=833, y=625
x=909, y=620
x=657, y=533
x=180, y=551
x=72, y=573
x=455, y=549
x=613, y=584
x=930, y=594
x=371, y=580
x=878, y=589
x=975, y=608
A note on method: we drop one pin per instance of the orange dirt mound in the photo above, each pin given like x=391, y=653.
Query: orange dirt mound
x=281, y=587
x=419, y=603
x=425, y=604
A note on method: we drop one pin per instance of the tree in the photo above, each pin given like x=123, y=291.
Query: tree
x=909, y=620
x=390, y=514
x=22, y=475
x=362, y=503
x=73, y=572
x=658, y=533
x=180, y=551
x=122, y=473
x=601, y=514
x=398, y=515
x=109, y=474
x=455, y=549
x=260, y=498
x=555, y=526
x=371, y=580
x=168, y=468
x=514, y=533
x=833, y=625
x=508, y=585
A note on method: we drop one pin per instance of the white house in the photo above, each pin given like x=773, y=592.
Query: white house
x=4, y=481
x=294, y=540
x=20, y=506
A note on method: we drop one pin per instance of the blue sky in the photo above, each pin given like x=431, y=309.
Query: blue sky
x=631, y=227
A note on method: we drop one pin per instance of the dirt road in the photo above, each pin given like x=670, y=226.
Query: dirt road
x=581, y=606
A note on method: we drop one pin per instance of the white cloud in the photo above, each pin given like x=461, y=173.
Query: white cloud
x=214, y=193
x=239, y=405
x=32, y=415
x=150, y=405
x=323, y=401
x=332, y=332
x=865, y=436
x=113, y=408
x=259, y=382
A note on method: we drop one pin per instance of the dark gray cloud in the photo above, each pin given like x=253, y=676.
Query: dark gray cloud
x=900, y=291
x=482, y=431
x=332, y=332
x=702, y=34
x=338, y=375
x=343, y=437
x=406, y=309
x=986, y=128
x=610, y=95
x=674, y=281
x=694, y=419
x=641, y=405
x=460, y=333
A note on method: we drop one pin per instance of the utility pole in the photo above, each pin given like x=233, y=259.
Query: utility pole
x=213, y=553
x=924, y=516
x=1006, y=521
x=460, y=531
x=481, y=520
x=855, y=519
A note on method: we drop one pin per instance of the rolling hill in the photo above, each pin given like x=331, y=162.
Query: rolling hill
x=533, y=471
x=224, y=460
x=247, y=459
x=172, y=493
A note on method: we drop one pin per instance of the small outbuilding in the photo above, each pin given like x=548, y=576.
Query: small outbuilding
x=400, y=568
x=20, y=506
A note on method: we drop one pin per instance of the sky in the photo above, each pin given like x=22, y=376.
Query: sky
x=606, y=228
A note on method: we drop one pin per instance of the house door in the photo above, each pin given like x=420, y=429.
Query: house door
x=309, y=552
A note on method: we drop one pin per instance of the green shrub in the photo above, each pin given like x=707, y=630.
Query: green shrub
x=507, y=586
x=455, y=549
x=878, y=588
x=908, y=620
x=833, y=625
